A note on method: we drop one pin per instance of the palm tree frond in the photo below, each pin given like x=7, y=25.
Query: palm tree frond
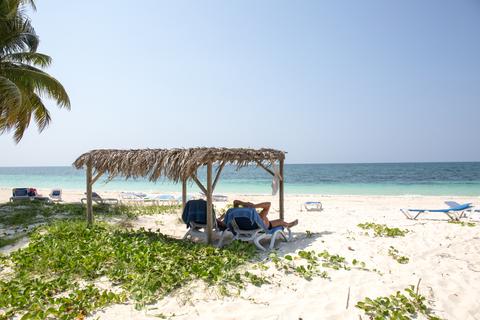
x=34, y=58
x=45, y=85
x=10, y=97
x=41, y=114
x=23, y=83
x=17, y=35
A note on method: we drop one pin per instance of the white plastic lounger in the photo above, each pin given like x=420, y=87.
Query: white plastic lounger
x=313, y=206
x=257, y=235
x=215, y=197
x=453, y=213
x=162, y=199
x=131, y=197
x=56, y=195
x=244, y=229
x=99, y=200
x=219, y=198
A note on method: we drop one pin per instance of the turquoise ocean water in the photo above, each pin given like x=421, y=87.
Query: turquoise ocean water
x=461, y=178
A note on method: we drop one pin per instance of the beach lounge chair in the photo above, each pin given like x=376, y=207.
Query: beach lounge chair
x=246, y=225
x=219, y=198
x=161, y=199
x=313, y=206
x=453, y=213
x=453, y=204
x=99, y=200
x=132, y=197
x=56, y=195
x=215, y=197
x=195, y=217
x=19, y=194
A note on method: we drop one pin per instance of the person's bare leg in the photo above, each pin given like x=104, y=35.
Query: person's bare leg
x=280, y=222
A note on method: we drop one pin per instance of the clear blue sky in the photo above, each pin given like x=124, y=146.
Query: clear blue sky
x=327, y=81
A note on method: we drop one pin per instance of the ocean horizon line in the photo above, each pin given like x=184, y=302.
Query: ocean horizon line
x=289, y=163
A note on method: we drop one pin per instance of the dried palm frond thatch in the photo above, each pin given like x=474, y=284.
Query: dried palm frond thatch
x=174, y=164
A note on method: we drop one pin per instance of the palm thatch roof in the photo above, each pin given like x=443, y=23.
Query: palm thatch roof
x=174, y=164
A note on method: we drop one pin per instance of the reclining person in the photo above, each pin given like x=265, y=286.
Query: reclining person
x=265, y=206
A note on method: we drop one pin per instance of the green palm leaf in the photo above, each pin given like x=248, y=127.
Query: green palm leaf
x=26, y=76
x=23, y=83
x=11, y=96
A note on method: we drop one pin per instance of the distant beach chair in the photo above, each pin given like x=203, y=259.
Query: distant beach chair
x=195, y=217
x=56, y=195
x=219, y=198
x=453, y=213
x=19, y=194
x=313, y=206
x=215, y=197
x=99, y=200
x=162, y=199
x=129, y=197
x=246, y=225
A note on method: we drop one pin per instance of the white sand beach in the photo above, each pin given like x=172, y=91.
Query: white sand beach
x=446, y=257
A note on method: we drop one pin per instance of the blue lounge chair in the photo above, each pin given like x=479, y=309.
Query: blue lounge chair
x=246, y=225
x=27, y=194
x=453, y=213
x=195, y=217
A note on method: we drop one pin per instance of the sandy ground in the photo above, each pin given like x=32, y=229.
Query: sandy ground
x=446, y=257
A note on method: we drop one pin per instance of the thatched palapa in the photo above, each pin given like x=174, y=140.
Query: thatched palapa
x=174, y=164
x=177, y=165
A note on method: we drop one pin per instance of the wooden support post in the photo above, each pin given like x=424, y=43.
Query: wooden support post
x=184, y=193
x=209, y=204
x=265, y=168
x=97, y=176
x=89, y=193
x=281, y=195
x=217, y=177
x=199, y=184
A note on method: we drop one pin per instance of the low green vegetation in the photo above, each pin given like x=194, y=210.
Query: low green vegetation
x=22, y=217
x=463, y=223
x=309, y=264
x=381, y=230
x=54, y=276
x=6, y=241
x=392, y=252
x=398, y=306
x=24, y=213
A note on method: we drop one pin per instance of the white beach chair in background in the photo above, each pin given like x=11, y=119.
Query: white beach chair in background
x=313, y=206
x=162, y=199
x=99, y=200
x=56, y=195
x=219, y=198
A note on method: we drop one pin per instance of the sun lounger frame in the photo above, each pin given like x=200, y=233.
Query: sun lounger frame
x=452, y=213
x=256, y=235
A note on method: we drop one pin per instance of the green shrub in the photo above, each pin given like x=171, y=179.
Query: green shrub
x=145, y=265
x=397, y=306
x=311, y=262
x=392, y=252
x=381, y=230
x=463, y=223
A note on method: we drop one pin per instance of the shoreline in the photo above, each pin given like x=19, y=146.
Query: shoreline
x=45, y=192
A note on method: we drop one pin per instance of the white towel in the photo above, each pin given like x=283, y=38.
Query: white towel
x=276, y=179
